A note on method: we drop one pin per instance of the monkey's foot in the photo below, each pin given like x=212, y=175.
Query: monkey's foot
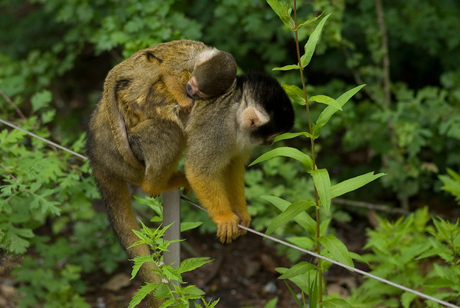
x=227, y=227
x=245, y=220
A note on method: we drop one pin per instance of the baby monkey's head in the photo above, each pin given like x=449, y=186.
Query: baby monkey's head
x=213, y=75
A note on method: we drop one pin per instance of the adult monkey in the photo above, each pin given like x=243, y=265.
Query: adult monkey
x=219, y=135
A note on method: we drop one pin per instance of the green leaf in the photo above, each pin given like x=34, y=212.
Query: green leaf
x=294, y=295
x=287, y=68
x=327, y=113
x=337, y=249
x=193, y=263
x=353, y=184
x=309, y=21
x=142, y=293
x=287, y=152
x=335, y=303
x=188, y=225
x=311, y=43
x=138, y=262
x=303, y=219
x=40, y=100
x=292, y=211
x=295, y=94
x=407, y=298
x=193, y=290
x=298, y=269
x=291, y=135
x=324, y=99
x=282, y=9
x=272, y=303
x=323, y=186
x=302, y=241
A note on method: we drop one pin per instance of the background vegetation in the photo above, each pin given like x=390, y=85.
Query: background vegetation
x=54, y=56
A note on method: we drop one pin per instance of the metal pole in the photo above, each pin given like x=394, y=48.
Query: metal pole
x=171, y=214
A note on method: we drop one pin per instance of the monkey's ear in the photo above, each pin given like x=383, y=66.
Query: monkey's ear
x=252, y=117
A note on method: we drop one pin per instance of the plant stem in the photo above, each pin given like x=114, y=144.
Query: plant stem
x=313, y=156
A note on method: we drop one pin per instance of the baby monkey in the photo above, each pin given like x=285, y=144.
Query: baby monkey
x=191, y=67
x=177, y=69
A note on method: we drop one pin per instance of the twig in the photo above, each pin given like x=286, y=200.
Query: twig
x=386, y=57
x=371, y=206
x=9, y=101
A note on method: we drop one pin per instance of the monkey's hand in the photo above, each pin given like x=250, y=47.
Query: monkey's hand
x=186, y=104
x=227, y=227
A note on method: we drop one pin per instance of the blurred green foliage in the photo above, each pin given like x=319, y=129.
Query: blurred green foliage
x=54, y=56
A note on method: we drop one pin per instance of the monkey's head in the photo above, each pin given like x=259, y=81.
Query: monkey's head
x=266, y=110
x=213, y=75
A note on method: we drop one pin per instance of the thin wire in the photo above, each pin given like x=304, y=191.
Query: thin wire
x=335, y=262
x=267, y=236
x=43, y=139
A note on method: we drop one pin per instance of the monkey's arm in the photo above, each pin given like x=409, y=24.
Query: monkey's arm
x=116, y=120
x=234, y=182
x=211, y=191
x=176, y=84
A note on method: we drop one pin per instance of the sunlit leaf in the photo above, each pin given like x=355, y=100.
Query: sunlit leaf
x=287, y=152
x=337, y=249
x=312, y=41
x=303, y=219
x=283, y=10
x=353, y=183
x=298, y=269
x=327, y=113
x=289, y=214
x=323, y=99
x=295, y=93
x=287, y=67
x=291, y=136
x=323, y=186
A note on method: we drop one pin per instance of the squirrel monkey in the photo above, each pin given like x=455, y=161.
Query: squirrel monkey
x=221, y=134
x=183, y=68
x=218, y=134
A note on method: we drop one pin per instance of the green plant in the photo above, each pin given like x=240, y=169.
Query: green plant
x=451, y=183
x=418, y=251
x=170, y=289
x=307, y=276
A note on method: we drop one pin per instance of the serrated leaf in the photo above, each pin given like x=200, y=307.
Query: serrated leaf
x=337, y=249
x=193, y=290
x=289, y=214
x=193, y=263
x=312, y=41
x=40, y=100
x=323, y=187
x=353, y=183
x=138, y=262
x=142, y=293
x=327, y=113
x=324, y=99
x=287, y=152
x=407, y=298
x=291, y=135
x=298, y=269
x=295, y=94
x=303, y=219
x=287, y=68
